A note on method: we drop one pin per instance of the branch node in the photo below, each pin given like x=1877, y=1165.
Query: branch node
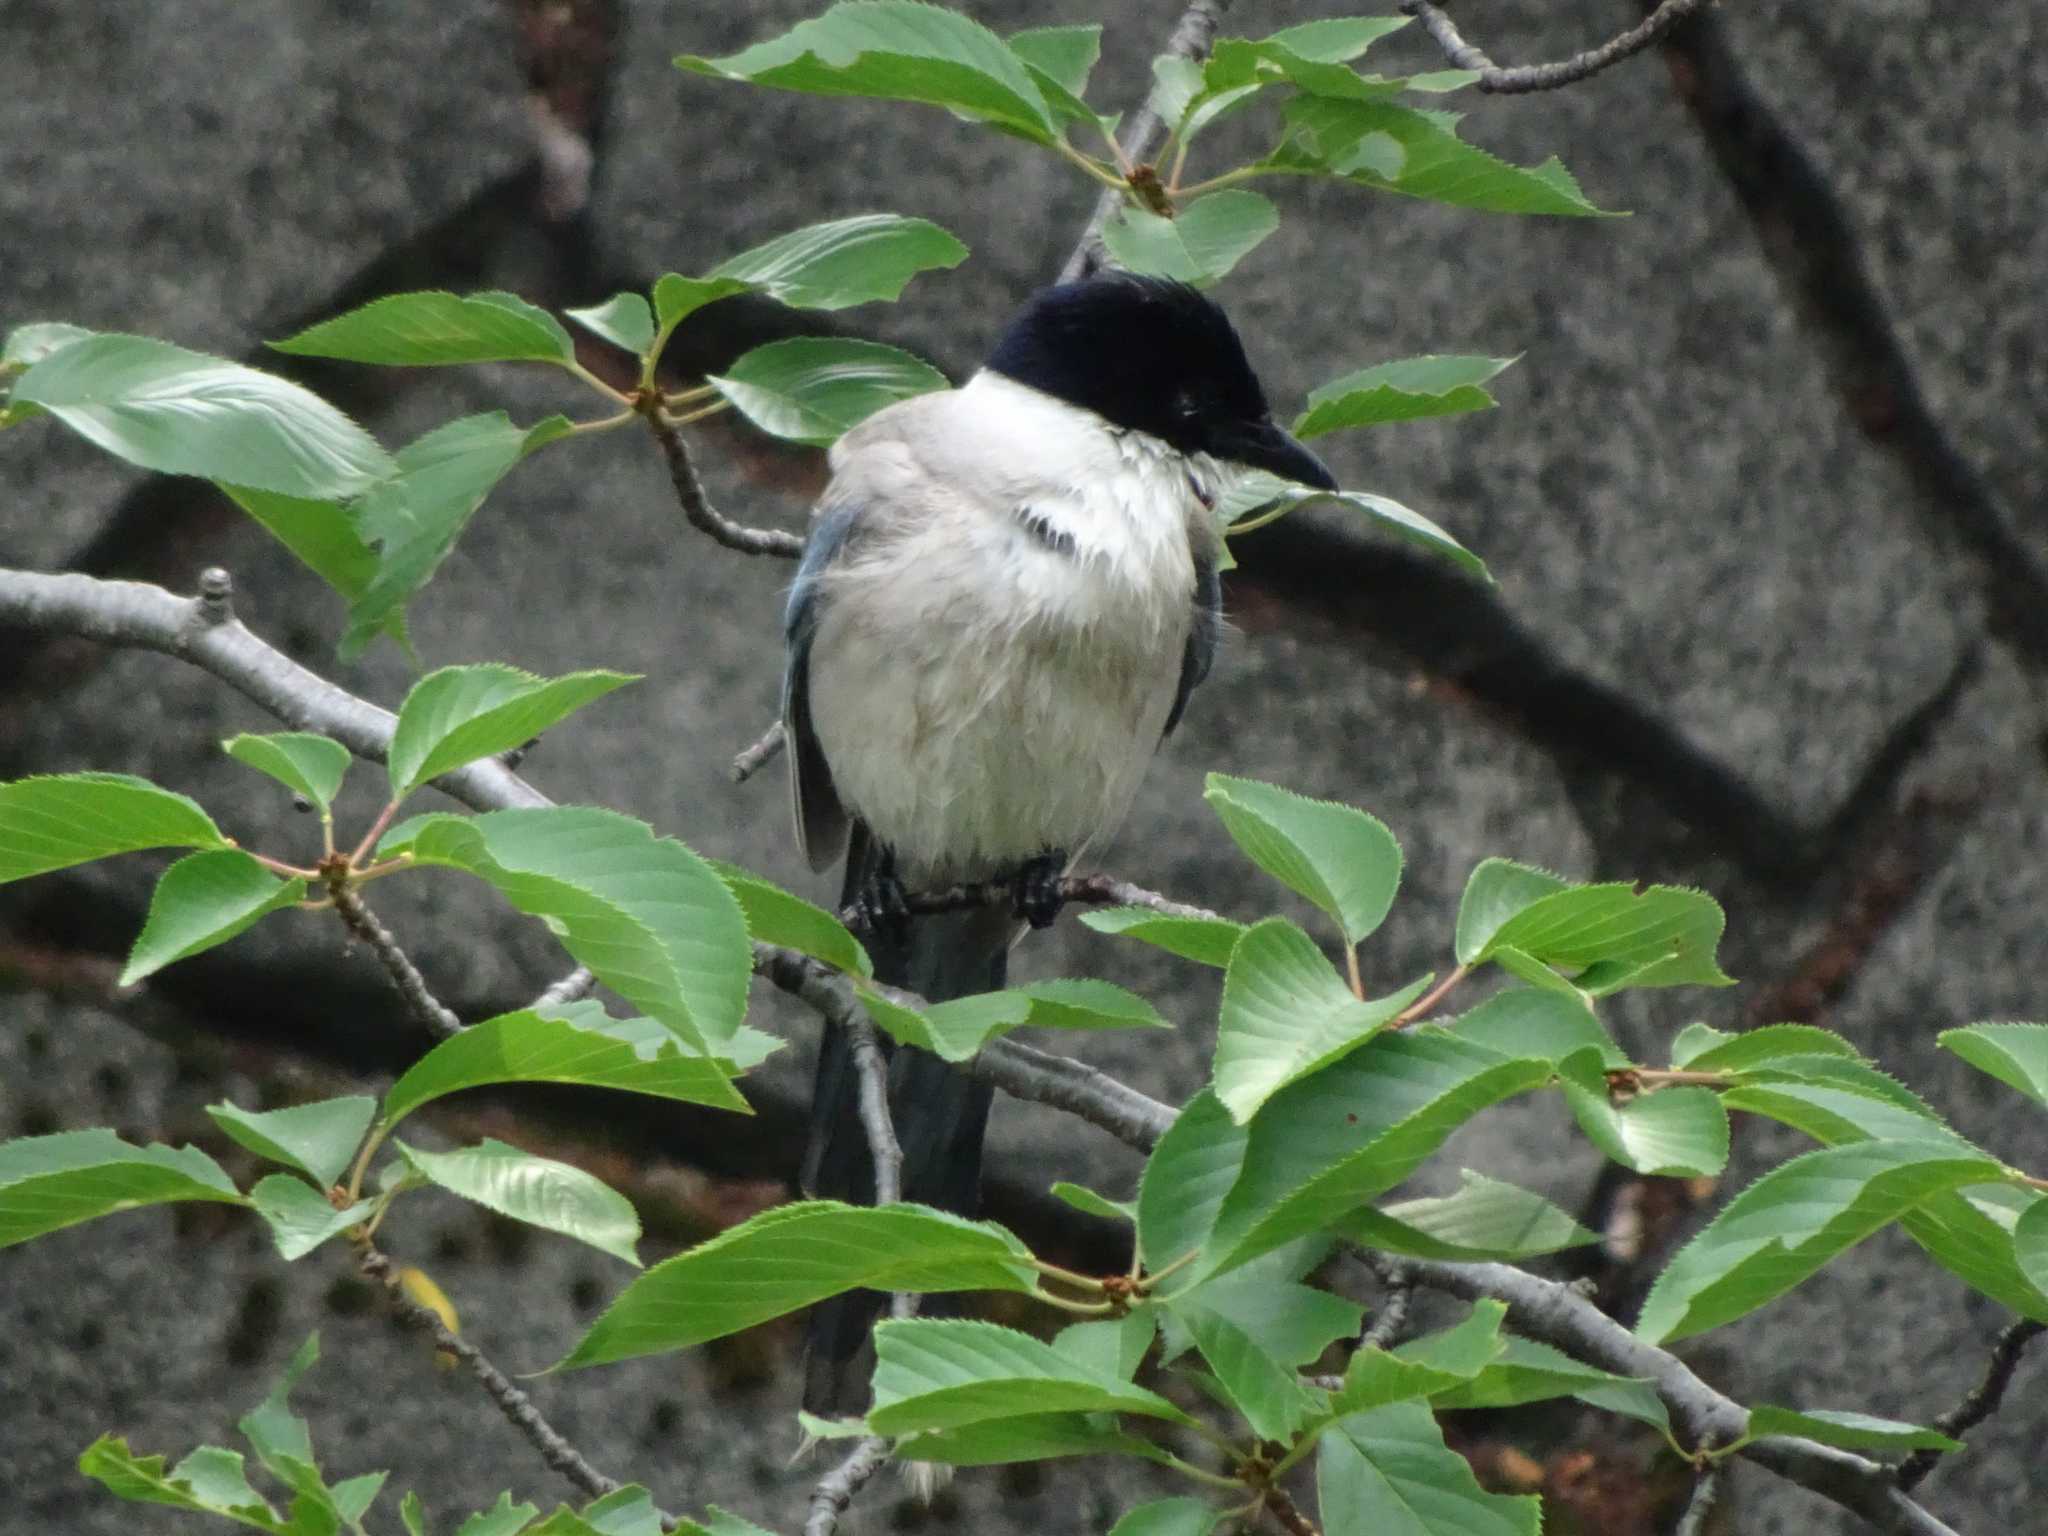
x=216, y=596
x=766, y=748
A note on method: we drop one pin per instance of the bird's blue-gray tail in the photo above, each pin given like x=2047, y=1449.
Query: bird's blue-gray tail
x=939, y=1114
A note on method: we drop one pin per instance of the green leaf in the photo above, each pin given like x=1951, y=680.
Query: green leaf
x=210, y=1481
x=51, y=1182
x=1374, y=1377
x=1341, y=859
x=1709, y=1050
x=31, y=343
x=650, y=918
x=1060, y=60
x=624, y=320
x=1269, y=1395
x=627, y=1511
x=1026, y=1437
x=938, y=1375
x=1526, y=1021
x=845, y=262
x=459, y=714
x=300, y=1217
x=1114, y=1346
x=1419, y=154
x=1186, y=1179
x=1338, y=39
x=897, y=50
x=1328, y=1144
x=419, y=329
x=1497, y=891
x=774, y=916
x=1292, y=1322
x=1614, y=936
x=2030, y=1245
x=318, y=1139
x=1849, y=1431
x=183, y=413
x=2015, y=1054
x=56, y=821
x=580, y=1045
x=1485, y=1219
x=1085, y=1200
x=1286, y=1014
x=1408, y=390
x=280, y=1437
x=792, y=1256
x=1678, y=1131
x=1168, y=1517
x=676, y=298
x=810, y=389
x=355, y=1495
x=502, y=1519
x=1528, y=1372
x=1793, y=1220
x=957, y=1029
x=416, y=513
x=413, y=1514
x=1207, y=941
x=535, y=1190
x=1387, y=1472
x=1834, y=1113
x=203, y=900
x=1200, y=244
x=309, y=766
x=1255, y=498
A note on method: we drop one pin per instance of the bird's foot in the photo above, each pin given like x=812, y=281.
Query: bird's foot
x=1035, y=888
x=882, y=908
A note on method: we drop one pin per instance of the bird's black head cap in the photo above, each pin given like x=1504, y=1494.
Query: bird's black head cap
x=1155, y=356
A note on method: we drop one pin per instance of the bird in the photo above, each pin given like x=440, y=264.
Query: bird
x=1007, y=595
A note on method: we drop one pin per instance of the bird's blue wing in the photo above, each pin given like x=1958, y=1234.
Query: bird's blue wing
x=1204, y=633
x=821, y=820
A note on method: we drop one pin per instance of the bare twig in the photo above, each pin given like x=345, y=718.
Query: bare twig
x=697, y=507
x=555, y=1450
x=1982, y=1401
x=1704, y=1492
x=1287, y=1514
x=1142, y=134
x=1545, y=77
x=766, y=748
x=440, y=1021
x=1392, y=1316
x=1083, y=890
x=572, y=988
x=830, y=1498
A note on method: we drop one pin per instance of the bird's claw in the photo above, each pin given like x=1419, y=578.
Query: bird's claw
x=882, y=909
x=1035, y=894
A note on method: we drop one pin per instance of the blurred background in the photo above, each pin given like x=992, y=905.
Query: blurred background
x=1762, y=498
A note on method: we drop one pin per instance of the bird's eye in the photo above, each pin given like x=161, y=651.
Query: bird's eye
x=1186, y=406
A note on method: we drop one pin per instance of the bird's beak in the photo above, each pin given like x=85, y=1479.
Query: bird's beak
x=1266, y=445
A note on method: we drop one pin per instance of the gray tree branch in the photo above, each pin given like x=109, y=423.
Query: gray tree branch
x=1522, y=79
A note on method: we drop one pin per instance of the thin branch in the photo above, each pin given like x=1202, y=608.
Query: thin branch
x=1545, y=77
x=554, y=1449
x=697, y=507
x=1283, y=1510
x=1982, y=1401
x=1144, y=132
x=1392, y=1316
x=572, y=988
x=766, y=748
x=830, y=1498
x=1083, y=890
x=1704, y=1492
x=440, y=1021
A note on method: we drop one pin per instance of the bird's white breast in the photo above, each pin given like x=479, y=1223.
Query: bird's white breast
x=997, y=651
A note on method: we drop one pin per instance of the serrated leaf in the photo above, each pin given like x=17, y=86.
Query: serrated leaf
x=1793, y=1220
x=1286, y=1014
x=897, y=50
x=1341, y=859
x=1114, y=1346
x=1168, y=1517
x=1060, y=60
x=844, y=262
x=2015, y=1054
x=774, y=916
x=356, y=1494
x=318, y=1139
x=676, y=297
x=56, y=821
x=1525, y=1021
x=319, y=533
x=1419, y=154
x=1410, y=389
x=1207, y=941
x=1387, y=1472
x=1970, y=1233
x=1026, y=1437
x=938, y=1375
x=416, y=513
x=300, y=1217
x=2030, y=1245
x=1677, y=1131
x=535, y=1190
x=1269, y=1395
x=209, y=1481
x=1485, y=1219
x=1705, y=1050
x=1200, y=244
x=1497, y=890
x=1255, y=498
x=1443, y=1362
x=502, y=1519
x=624, y=320
x=1292, y=1322
x=1833, y=1113
x=1611, y=936
x=1849, y=1431
x=163, y=408
x=810, y=389
x=31, y=343
x=790, y=1257
x=202, y=901
x=1186, y=1179
x=51, y=1182
x=955, y=1030
x=627, y=1511
x=421, y=329
x=413, y=1514
x=580, y=1044
x=459, y=714
x=650, y=918
x=1086, y=1200
x=1526, y=1371
x=308, y=765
